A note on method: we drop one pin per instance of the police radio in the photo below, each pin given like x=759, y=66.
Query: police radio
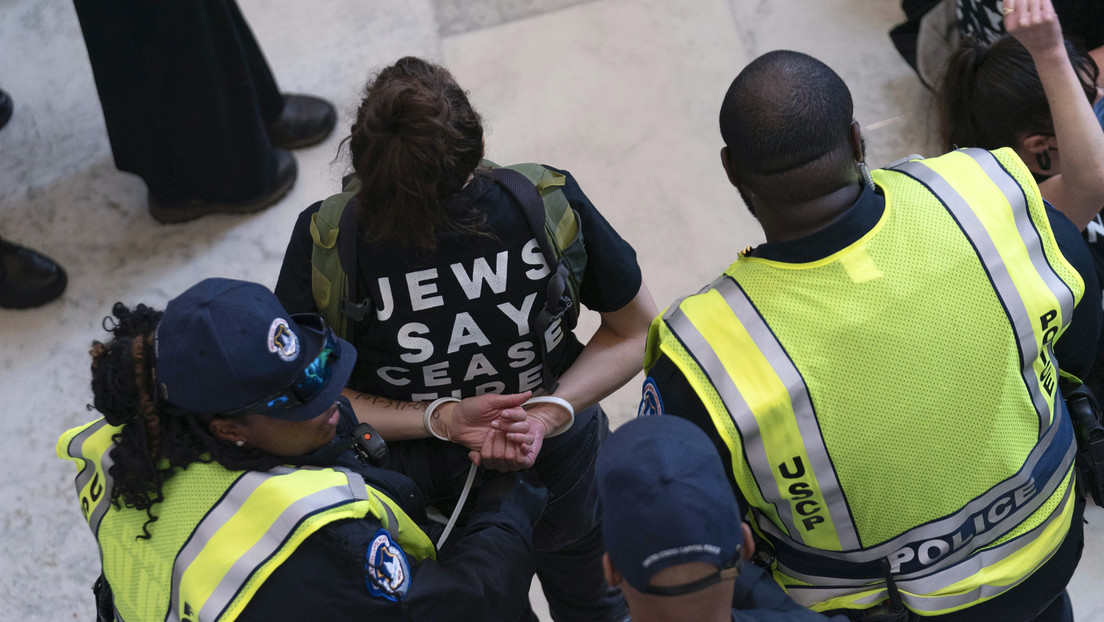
x=369, y=446
x=1086, y=416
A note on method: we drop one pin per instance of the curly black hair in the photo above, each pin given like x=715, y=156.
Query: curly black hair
x=156, y=438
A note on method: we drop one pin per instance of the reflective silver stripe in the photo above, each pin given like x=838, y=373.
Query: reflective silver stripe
x=972, y=226
x=738, y=410
x=820, y=462
x=272, y=540
x=269, y=543
x=358, y=489
x=914, y=592
x=988, y=557
x=209, y=526
x=960, y=520
x=1014, y=193
x=104, y=504
x=86, y=474
x=74, y=449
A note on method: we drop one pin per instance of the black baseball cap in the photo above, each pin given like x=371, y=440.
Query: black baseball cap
x=229, y=347
x=666, y=501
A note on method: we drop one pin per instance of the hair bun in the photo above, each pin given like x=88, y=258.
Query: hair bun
x=405, y=107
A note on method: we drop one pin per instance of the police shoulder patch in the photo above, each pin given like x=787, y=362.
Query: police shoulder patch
x=651, y=403
x=386, y=571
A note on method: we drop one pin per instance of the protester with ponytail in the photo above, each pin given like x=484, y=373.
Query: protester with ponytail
x=222, y=482
x=1032, y=91
x=454, y=280
x=1036, y=92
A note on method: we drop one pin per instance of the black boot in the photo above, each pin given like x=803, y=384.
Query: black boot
x=5, y=108
x=183, y=211
x=304, y=121
x=27, y=278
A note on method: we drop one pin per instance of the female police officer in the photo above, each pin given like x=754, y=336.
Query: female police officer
x=220, y=484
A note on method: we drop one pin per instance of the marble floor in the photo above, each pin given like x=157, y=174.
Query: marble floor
x=624, y=93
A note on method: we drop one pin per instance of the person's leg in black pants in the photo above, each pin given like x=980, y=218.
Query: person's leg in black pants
x=567, y=540
x=187, y=97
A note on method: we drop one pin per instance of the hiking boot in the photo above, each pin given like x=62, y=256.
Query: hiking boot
x=304, y=121
x=183, y=211
x=28, y=278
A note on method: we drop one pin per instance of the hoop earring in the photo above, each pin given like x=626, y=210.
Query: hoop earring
x=1043, y=160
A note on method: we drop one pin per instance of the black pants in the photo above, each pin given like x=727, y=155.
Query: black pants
x=186, y=95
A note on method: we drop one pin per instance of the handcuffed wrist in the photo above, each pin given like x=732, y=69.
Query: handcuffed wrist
x=427, y=417
x=551, y=399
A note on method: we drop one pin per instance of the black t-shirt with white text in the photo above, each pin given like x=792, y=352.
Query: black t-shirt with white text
x=458, y=321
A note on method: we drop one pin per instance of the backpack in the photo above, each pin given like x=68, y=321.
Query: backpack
x=536, y=190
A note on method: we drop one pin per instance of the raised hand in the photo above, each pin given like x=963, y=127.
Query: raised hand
x=1034, y=24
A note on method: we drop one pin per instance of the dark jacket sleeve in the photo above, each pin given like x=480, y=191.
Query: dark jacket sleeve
x=1076, y=349
x=612, y=277
x=486, y=576
x=678, y=398
x=757, y=597
x=293, y=287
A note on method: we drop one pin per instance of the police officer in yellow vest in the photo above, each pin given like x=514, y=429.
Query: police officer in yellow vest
x=882, y=375
x=221, y=483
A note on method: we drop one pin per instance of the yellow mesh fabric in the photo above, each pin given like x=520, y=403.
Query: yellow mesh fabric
x=700, y=382
x=1012, y=163
x=140, y=571
x=310, y=525
x=914, y=374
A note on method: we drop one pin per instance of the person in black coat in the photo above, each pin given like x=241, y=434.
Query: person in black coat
x=192, y=107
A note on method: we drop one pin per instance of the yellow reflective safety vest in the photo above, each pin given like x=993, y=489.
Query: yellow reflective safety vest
x=896, y=402
x=219, y=534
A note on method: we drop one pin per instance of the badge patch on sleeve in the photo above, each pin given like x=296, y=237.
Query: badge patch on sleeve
x=651, y=403
x=386, y=570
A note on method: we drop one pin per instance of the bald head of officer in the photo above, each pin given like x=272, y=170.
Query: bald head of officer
x=792, y=147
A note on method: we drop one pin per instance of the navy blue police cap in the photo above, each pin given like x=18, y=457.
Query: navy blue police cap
x=229, y=347
x=666, y=500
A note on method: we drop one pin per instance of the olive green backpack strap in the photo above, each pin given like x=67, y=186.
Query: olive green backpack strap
x=333, y=264
x=538, y=192
x=561, y=224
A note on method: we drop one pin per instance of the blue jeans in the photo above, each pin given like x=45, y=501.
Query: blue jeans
x=568, y=537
